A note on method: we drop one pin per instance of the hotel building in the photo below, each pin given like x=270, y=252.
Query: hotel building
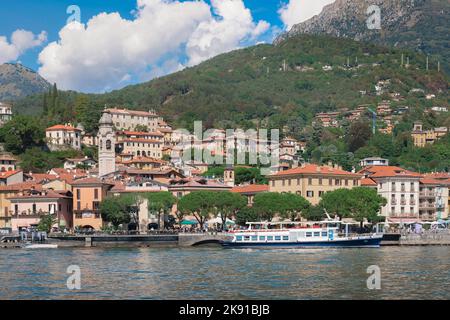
x=311, y=181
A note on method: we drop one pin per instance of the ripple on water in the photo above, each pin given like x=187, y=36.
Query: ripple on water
x=213, y=273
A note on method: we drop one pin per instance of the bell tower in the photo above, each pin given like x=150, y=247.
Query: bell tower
x=106, y=145
x=228, y=176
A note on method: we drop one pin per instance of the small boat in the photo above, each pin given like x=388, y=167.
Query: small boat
x=40, y=246
x=299, y=235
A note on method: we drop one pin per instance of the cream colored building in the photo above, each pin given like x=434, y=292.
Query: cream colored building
x=312, y=181
x=423, y=137
x=5, y=113
x=62, y=137
x=125, y=119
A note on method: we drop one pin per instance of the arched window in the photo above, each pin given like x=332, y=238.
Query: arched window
x=144, y=154
x=138, y=153
x=108, y=144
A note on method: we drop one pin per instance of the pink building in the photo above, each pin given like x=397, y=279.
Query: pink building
x=29, y=207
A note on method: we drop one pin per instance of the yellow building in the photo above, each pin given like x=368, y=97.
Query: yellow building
x=423, y=137
x=312, y=181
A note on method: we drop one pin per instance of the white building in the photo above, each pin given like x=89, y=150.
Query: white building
x=399, y=187
x=374, y=161
x=5, y=113
x=124, y=119
x=62, y=137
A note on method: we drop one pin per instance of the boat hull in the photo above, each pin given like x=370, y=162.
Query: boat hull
x=346, y=243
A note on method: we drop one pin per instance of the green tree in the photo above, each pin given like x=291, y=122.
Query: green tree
x=358, y=135
x=118, y=210
x=268, y=204
x=160, y=203
x=46, y=223
x=200, y=204
x=228, y=204
x=22, y=132
x=247, y=214
x=337, y=202
x=293, y=205
x=314, y=213
x=366, y=204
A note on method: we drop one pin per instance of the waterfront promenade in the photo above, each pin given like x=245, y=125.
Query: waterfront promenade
x=174, y=239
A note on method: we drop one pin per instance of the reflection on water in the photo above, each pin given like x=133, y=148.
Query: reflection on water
x=213, y=273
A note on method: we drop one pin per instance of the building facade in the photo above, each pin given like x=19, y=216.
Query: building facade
x=5, y=113
x=124, y=119
x=399, y=187
x=423, y=137
x=88, y=193
x=106, y=145
x=312, y=181
x=61, y=137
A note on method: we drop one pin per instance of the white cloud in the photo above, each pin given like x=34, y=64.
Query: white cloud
x=296, y=11
x=21, y=41
x=110, y=51
x=216, y=36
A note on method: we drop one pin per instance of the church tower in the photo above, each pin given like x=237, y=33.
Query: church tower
x=228, y=176
x=106, y=145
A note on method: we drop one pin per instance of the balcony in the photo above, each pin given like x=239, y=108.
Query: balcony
x=427, y=194
x=427, y=205
x=403, y=202
x=87, y=214
x=393, y=202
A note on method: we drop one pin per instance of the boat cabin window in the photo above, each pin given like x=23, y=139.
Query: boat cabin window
x=277, y=238
x=316, y=234
x=262, y=238
x=269, y=238
x=239, y=238
x=285, y=238
x=324, y=233
x=246, y=238
x=254, y=238
x=309, y=234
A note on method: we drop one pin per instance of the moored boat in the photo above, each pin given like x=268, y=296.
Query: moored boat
x=40, y=246
x=299, y=235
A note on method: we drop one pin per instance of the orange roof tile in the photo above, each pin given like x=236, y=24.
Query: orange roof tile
x=7, y=174
x=251, y=188
x=388, y=171
x=62, y=127
x=315, y=169
x=368, y=182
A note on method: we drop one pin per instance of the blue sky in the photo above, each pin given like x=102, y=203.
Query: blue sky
x=205, y=33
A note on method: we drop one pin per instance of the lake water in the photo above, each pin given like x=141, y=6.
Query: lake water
x=215, y=273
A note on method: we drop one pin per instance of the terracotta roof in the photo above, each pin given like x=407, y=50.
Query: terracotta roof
x=315, y=169
x=252, y=188
x=388, y=171
x=28, y=185
x=7, y=174
x=431, y=181
x=52, y=194
x=438, y=175
x=89, y=181
x=62, y=127
x=144, y=160
x=39, y=177
x=368, y=182
x=197, y=183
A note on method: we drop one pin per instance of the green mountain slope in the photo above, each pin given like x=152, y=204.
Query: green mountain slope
x=421, y=25
x=284, y=84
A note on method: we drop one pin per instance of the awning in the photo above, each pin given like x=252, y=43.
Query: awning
x=188, y=223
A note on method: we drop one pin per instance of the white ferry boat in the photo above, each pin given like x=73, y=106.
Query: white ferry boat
x=299, y=235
